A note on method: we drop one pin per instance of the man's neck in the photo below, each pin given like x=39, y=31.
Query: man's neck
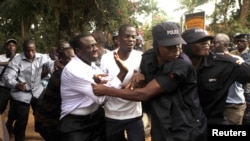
x=196, y=61
x=123, y=54
x=242, y=50
x=9, y=55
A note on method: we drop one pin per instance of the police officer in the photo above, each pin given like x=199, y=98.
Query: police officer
x=215, y=73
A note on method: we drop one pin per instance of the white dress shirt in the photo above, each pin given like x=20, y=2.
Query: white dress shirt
x=76, y=90
x=3, y=58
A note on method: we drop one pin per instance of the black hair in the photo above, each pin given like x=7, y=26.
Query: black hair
x=26, y=42
x=99, y=36
x=61, y=43
x=123, y=28
x=76, y=41
x=156, y=47
x=62, y=53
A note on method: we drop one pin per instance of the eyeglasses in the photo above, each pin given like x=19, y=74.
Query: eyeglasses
x=240, y=41
x=91, y=46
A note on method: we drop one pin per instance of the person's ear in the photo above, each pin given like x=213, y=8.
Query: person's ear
x=77, y=50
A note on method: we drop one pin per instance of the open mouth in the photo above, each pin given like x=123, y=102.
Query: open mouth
x=95, y=54
x=130, y=45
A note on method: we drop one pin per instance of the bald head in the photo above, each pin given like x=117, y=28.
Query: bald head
x=222, y=37
x=220, y=43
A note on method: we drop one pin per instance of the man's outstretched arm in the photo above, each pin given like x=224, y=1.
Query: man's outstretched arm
x=138, y=94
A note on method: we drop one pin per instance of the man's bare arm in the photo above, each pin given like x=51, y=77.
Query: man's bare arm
x=4, y=63
x=138, y=94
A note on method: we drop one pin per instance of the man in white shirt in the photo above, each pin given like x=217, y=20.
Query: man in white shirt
x=123, y=115
x=82, y=117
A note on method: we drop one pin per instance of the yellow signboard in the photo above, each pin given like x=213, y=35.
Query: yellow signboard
x=195, y=20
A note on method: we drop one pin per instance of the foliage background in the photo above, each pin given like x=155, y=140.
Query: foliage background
x=48, y=21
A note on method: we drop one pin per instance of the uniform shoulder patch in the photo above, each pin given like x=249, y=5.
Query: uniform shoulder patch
x=225, y=58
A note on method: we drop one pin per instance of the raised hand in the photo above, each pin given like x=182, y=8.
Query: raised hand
x=123, y=69
x=119, y=63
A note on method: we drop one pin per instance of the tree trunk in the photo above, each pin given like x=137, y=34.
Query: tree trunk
x=22, y=28
x=244, y=12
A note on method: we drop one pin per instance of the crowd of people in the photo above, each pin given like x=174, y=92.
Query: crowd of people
x=84, y=90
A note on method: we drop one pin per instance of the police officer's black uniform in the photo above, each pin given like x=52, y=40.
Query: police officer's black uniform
x=215, y=76
x=176, y=114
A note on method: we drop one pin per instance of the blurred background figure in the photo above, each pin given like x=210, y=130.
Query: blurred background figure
x=101, y=40
x=139, y=43
x=53, y=55
x=48, y=112
x=116, y=42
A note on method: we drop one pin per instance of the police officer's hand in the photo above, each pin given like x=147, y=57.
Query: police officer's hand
x=58, y=65
x=99, y=89
x=237, y=61
x=137, y=81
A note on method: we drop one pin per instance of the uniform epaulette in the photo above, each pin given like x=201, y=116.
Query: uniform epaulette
x=148, y=52
x=235, y=52
x=246, y=56
x=225, y=58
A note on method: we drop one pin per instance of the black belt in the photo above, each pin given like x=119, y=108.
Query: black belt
x=4, y=87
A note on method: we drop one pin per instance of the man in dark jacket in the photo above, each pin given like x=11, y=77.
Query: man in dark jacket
x=215, y=74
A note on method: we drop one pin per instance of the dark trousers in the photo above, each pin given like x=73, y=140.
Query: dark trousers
x=4, y=99
x=21, y=111
x=83, y=128
x=11, y=116
x=115, y=129
x=49, y=133
x=246, y=118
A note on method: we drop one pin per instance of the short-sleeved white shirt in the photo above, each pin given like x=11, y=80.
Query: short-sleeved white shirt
x=118, y=108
